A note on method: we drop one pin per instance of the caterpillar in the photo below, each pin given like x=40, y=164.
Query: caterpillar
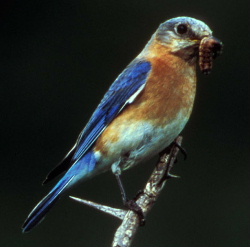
x=209, y=49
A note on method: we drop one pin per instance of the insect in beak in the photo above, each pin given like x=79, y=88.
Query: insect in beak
x=209, y=49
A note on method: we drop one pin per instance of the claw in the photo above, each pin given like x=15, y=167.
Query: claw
x=139, y=193
x=132, y=205
x=183, y=151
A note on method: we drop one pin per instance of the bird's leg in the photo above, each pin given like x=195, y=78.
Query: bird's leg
x=183, y=151
x=116, y=169
x=169, y=150
x=121, y=187
x=175, y=143
x=130, y=204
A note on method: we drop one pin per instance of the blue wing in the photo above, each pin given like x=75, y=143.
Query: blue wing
x=130, y=82
x=80, y=160
x=122, y=92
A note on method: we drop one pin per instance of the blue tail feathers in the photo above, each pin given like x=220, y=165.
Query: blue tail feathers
x=82, y=168
x=43, y=207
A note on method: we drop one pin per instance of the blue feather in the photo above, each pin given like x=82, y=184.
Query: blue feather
x=81, y=169
x=80, y=160
x=125, y=86
x=43, y=207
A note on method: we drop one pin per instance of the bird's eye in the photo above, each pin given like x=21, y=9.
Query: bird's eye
x=181, y=29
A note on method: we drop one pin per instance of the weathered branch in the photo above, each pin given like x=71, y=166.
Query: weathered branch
x=145, y=200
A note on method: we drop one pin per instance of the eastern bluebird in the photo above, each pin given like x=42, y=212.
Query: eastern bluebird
x=142, y=113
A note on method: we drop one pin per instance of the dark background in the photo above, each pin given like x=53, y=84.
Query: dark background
x=57, y=58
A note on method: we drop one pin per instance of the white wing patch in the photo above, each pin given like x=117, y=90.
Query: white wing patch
x=132, y=98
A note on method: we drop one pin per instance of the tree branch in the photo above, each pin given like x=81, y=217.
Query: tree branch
x=145, y=199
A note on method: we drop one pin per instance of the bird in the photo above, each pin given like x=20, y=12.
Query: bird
x=142, y=113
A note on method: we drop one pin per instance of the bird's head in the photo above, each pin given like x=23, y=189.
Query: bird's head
x=189, y=38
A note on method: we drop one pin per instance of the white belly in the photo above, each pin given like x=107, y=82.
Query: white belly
x=139, y=141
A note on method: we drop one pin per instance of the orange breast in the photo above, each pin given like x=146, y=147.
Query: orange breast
x=170, y=89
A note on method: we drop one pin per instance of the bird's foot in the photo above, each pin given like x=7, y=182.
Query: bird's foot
x=132, y=205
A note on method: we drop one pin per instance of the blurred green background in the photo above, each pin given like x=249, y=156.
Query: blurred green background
x=57, y=60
